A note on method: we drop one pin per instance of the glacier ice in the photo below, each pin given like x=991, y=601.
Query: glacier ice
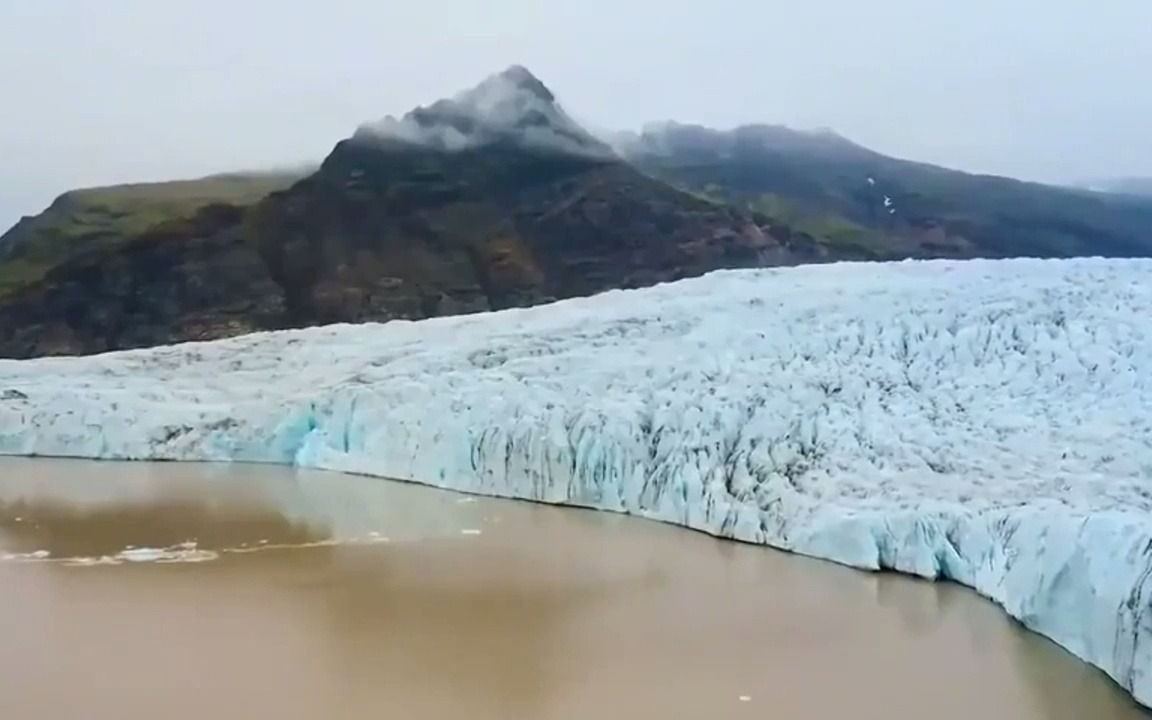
x=987, y=422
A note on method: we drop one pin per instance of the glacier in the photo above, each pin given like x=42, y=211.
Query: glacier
x=983, y=422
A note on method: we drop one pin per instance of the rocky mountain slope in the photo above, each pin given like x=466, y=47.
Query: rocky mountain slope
x=848, y=198
x=497, y=198
x=494, y=198
x=88, y=221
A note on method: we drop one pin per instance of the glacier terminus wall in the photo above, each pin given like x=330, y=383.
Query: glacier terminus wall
x=986, y=422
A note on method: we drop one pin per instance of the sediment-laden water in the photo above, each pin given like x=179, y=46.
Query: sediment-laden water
x=199, y=591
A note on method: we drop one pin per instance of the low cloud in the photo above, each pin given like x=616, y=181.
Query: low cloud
x=512, y=106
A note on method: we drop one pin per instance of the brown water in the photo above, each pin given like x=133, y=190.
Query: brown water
x=313, y=595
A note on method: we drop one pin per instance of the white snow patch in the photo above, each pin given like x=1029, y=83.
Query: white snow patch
x=989, y=422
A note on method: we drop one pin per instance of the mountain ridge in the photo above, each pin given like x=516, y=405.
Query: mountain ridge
x=850, y=196
x=497, y=198
x=494, y=198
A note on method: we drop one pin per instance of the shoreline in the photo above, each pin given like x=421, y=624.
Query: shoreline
x=989, y=424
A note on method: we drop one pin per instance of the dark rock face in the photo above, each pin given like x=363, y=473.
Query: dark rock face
x=95, y=220
x=493, y=199
x=190, y=280
x=382, y=232
x=386, y=232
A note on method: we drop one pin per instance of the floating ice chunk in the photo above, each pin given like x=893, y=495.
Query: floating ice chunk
x=182, y=552
x=92, y=561
x=142, y=554
x=34, y=555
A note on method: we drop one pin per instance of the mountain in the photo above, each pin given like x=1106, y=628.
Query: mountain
x=91, y=220
x=848, y=198
x=494, y=198
x=497, y=198
x=512, y=107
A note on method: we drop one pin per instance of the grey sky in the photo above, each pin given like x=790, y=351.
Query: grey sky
x=127, y=90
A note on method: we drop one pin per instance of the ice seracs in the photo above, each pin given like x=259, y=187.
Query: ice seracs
x=988, y=422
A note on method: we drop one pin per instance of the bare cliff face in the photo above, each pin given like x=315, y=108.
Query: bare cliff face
x=194, y=279
x=495, y=198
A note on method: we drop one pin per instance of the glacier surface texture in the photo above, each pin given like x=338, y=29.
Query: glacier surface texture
x=987, y=422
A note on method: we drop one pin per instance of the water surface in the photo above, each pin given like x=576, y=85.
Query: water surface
x=196, y=592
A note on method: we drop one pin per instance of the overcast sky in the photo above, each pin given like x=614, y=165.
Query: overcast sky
x=127, y=90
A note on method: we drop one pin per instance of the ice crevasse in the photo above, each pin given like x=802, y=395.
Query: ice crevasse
x=987, y=422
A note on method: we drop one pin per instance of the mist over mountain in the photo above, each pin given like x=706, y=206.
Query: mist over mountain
x=1141, y=186
x=849, y=197
x=512, y=107
x=494, y=198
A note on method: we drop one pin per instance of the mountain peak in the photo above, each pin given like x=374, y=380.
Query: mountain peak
x=511, y=107
x=522, y=78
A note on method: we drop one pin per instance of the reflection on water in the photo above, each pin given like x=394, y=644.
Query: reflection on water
x=344, y=597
